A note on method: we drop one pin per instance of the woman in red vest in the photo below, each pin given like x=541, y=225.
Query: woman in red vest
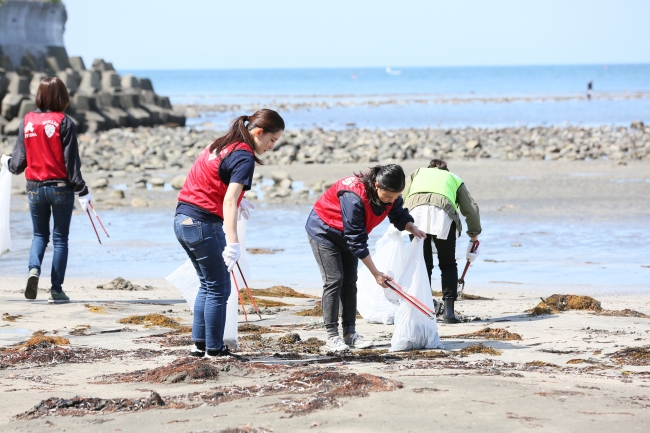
x=208, y=206
x=338, y=229
x=47, y=151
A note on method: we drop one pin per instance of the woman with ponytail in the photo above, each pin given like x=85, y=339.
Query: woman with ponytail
x=338, y=229
x=208, y=206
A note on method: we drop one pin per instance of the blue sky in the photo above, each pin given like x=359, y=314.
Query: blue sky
x=216, y=34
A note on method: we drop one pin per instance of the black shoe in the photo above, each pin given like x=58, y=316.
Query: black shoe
x=449, y=309
x=450, y=320
x=224, y=351
x=198, y=350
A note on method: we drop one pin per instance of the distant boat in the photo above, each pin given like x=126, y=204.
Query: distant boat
x=390, y=71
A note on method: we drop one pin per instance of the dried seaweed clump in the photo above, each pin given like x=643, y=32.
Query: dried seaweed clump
x=557, y=303
x=488, y=334
x=95, y=309
x=40, y=341
x=424, y=354
x=79, y=406
x=151, y=320
x=262, y=302
x=290, y=338
x=181, y=370
x=9, y=318
x=120, y=283
x=624, y=313
x=464, y=295
x=541, y=364
x=247, y=429
x=317, y=311
x=280, y=292
x=250, y=328
x=479, y=348
x=633, y=356
x=287, y=344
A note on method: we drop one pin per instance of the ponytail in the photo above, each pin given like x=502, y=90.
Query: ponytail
x=390, y=177
x=239, y=132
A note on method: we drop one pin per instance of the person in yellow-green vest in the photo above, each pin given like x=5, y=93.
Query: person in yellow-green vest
x=434, y=197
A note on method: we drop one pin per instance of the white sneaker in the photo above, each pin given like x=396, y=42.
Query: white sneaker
x=358, y=342
x=336, y=344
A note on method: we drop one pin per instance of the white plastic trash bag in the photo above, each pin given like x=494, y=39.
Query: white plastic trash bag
x=414, y=330
x=389, y=257
x=5, y=205
x=187, y=283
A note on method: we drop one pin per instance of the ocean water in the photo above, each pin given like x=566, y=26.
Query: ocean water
x=402, y=86
x=516, y=253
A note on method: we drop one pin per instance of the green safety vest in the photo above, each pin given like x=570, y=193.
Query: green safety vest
x=436, y=181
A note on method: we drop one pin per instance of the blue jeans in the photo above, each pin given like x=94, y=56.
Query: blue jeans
x=204, y=243
x=46, y=201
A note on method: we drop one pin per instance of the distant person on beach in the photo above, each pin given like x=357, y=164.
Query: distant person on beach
x=338, y=229
x=47, y=151
x=434, y=196
x=590, y=88
x=209, y=204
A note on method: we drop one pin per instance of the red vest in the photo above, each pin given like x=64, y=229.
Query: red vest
x=328, y=206
x=43, y=148
x=203, y=186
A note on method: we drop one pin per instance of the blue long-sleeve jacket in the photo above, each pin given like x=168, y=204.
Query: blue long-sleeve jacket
x=354, y=236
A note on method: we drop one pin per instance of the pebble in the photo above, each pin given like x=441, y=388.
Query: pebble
x=138, y=202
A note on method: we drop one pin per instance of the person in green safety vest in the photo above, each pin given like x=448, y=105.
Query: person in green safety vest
x=434, y=197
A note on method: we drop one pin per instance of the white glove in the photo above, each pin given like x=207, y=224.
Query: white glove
x=231, y=254
x=84, y=201
x=471, y=256
x=5, y=160
x=244, y=209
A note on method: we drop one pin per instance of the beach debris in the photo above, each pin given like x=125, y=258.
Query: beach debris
x=250, y=328
x=120, y=283
x=632, y=356
x=466, y=296
x=317, y=311
x=179, y=337
x=263, y=250
x=188, y=370
x=151, y=320
x=479, y=348
x=80, y=330
x=557, y=303
x=488, y=334
x=290, y=338
x=9, y=318
x=423, y=390
x=541, y=364
x=39, y=341
x=261, y=302
x=285, y=346
x=623, y=313
x=95, y=309
x=281, y=292
x=247, y=429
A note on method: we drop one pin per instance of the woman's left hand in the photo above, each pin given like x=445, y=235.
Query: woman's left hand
x=415, y=231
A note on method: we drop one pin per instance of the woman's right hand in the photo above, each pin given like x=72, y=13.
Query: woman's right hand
x=381, y=279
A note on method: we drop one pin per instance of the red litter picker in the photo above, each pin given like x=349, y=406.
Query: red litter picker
x=248, y=290
x=90, y=205
x=411, y=300
x=461, y=280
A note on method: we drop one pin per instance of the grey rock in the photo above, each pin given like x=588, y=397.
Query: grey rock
x=278, y=176
x=36, y=82
x=18, y=85
x=90, y=82
x=11, y=105
x=26, y=106
x=99, y=183
x=77, y=63
x=117, y=194
x=110, y=80
x=157, y=182
x=129, y=81
x=178, y=182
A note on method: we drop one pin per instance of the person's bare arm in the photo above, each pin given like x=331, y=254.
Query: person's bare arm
x=230, y=212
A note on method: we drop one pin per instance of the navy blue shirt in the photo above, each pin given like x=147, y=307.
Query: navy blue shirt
x=238, y=167
x=354, y=236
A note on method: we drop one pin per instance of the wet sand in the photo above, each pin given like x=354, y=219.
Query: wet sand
x=565, y=374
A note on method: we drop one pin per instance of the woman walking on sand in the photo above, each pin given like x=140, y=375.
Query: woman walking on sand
x=47, y=151
x=434, y=196
x=207, y=206
x=338, y=229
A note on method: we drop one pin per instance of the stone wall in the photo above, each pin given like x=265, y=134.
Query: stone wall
x=31, y=48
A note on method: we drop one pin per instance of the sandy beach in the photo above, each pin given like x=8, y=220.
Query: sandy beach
x=570, y=371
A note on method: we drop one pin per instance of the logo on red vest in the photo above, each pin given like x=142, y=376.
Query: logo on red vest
x=49, y=130
x=348, y=180
x=29, y=130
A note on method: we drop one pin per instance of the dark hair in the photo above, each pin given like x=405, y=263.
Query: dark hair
x=389, y=177
x=52, y=95
x=438, y=163
x=268, y=120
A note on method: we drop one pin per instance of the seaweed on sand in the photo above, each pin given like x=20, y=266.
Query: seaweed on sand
x=280, y=292
x=250, y=328
x=181, y=370
x=464, y=295
x=317, y=311
x=624, y=313
x=151, y=320
x=9, y=318
x=557, y=303
x=262, y=302
x=632, y=356
x=541, y=364
x=39, y=341
x=95, y=309
x=479, y=348
x=246, y=429
x=290, y=343
x=488, y=334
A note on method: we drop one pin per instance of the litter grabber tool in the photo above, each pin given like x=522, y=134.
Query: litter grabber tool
x=98, y=219
x=241, y=298
x=248, y=290
x=461, y=280
x=94, y=228
x=411, y=300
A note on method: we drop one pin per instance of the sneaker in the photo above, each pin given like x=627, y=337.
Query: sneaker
x=58, y=297
x=357, y=341
x=198, y=351
x=225, y=351
x=336, y=344
x=32, y=283
x=452, y=320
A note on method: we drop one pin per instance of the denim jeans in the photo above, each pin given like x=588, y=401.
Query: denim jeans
x=204, y=243
x=58, y=202
x=339, y=272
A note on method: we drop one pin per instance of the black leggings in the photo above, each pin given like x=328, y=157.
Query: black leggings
x=446, y=261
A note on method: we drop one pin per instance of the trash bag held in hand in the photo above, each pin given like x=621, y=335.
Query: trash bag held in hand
x=187, y=283
x=389, y=257
x=5, y=205
x=414, y=330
